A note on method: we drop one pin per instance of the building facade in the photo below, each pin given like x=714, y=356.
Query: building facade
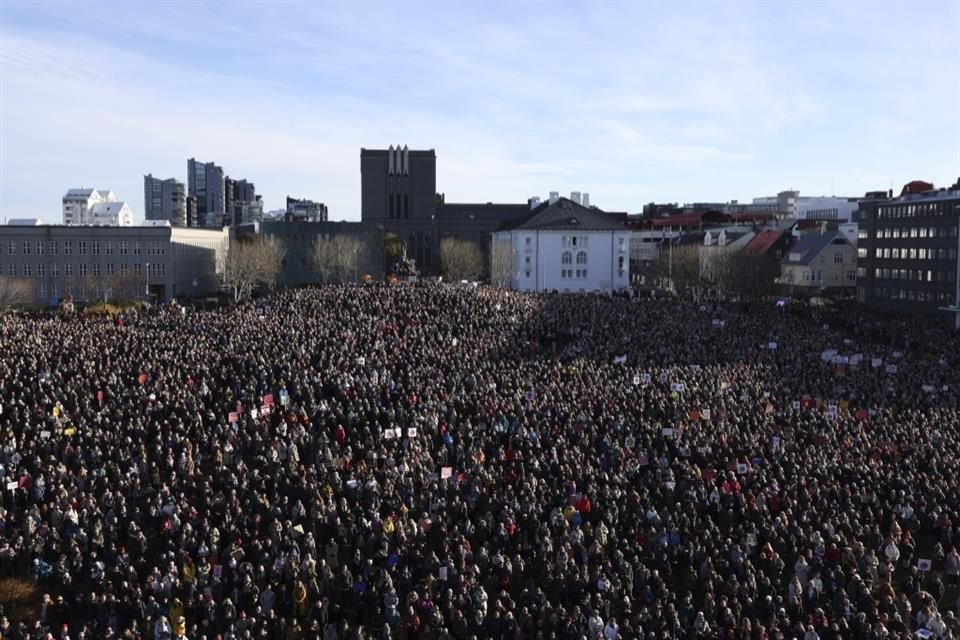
x=819, y=262
x=205, y=183
x=398, y=192
x=909, y=250
x=165, y=200
x=562, y=246
x=92, y=206
x=96, y=262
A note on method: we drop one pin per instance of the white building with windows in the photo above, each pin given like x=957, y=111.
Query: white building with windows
x=92, y=206
x=562, y=246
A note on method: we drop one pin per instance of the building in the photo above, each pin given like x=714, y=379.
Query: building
x=92, y=206
x=563, y=246
x=909, y=249
x=205, y=183
x=303, y=210
x=93, y=262
x=298, y=239
x=241, y=202
x=827, y=209
x=819, y=262
x=165, y=200
x=398, y=192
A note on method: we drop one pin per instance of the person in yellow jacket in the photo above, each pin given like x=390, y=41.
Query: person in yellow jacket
x=180, y=628
x=299, y=599
x=176, y=612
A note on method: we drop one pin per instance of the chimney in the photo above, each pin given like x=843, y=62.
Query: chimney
x=534, y=202
x=586, y=200
x=575, y=196
x=554, y=196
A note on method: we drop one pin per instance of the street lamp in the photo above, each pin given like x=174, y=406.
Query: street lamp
x=147, y=280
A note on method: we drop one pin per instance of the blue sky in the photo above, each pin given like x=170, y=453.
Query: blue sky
x=631, y=102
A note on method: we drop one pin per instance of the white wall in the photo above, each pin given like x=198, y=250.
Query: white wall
x=537, y=258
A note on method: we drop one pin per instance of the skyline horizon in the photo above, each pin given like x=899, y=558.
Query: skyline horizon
x=639, y=103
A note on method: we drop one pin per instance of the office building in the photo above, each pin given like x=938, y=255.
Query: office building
x=165, y=200
x=241, y=202
x=156, y=262
x=205, y=183
x=909, y=249
x=303, y=210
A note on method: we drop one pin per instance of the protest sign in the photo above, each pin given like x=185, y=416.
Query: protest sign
x=446, y=472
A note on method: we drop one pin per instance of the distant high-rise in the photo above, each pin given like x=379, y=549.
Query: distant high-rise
x=205, y=183
x=165, y=200
x=303, y=210
x=242, y=203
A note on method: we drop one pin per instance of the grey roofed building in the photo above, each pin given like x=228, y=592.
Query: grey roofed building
x=809, y=246
x=24, y=222
x=566, y=214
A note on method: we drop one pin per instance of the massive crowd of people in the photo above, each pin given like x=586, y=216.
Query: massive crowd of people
x=428, y=462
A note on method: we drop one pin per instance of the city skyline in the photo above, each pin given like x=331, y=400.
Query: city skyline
x=631, y=103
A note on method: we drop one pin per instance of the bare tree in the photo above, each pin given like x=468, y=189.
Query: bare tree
x=679, y=269
x=460, y=259
x=394, y=249
x=337, y=258
x=249, y=262
x=14, y=291
x=501, y=263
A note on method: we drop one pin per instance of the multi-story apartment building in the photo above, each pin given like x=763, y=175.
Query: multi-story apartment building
x=95, y=262
x=909, y=249
x=92, y=206
x=165, y=200
x=303, y=210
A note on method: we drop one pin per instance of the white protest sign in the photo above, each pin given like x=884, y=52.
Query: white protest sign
x=667, y=432
x=361, y=361
x=411, y=432
x=629, y=442
x=45, y=435
x=676, y=386
x=876, y=363
x=646, y=377
x=388, y=434
x=772, y=346
x=891, y=368
x=12, y=486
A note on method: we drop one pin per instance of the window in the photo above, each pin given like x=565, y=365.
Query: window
x=109, y=247
x=82, y=247
x=851, y=276
x=528, y=239
x=136, y=247
x=163, y=269
x=621, y=242
x=137, y=268
x=581, y=257
x=55, y=270
x=26, y=247
x=11, y=247
x=27, y=272
x=527, y=259
x=123, y=247
x=95, y=247
x=838, y=258
x=566, y=258
x=109, y=269
x=68, y=269
x=861, y=252
x=68, y=247
x=41, y=270
x=96, y=269
x=42, y=291
x=124, y=269
x=40, y=247
x=54, y=245
x=83, y=269
x=528, y=273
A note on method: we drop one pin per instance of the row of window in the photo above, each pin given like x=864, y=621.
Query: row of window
x=922, y=295
x=82, y=269
x=912, y=253
x=917, y=210
x=567, y=257
x=918, y=275
x=896, y=233
x=95, y=246
x=817, y=276
x=573, y=273
x=574, y=241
